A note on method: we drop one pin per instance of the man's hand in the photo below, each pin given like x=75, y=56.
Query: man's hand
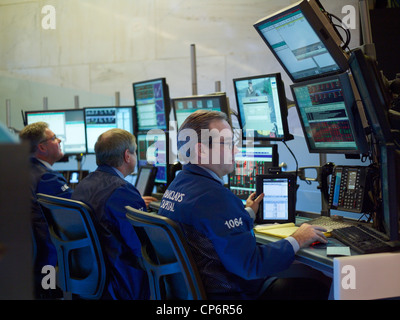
x=148, y=199
x=254, y=203
x=307, y=234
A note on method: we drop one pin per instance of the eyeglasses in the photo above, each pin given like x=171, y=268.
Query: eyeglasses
x=230, y=145
x=53, y=138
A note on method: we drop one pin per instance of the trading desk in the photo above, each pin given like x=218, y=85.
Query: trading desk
x=313, y=256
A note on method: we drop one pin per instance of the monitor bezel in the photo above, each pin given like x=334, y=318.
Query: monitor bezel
x=312, y=11
x=352, y=113
x=66, y=154
x=166, y=98
x=223, y=99
x=282, y=105
x=375, y=101
x=106, y=107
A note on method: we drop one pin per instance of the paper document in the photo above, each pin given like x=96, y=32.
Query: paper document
x=338, y=251
x=277, y=230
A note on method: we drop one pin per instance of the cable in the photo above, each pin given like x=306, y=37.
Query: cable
x=297, y=164
x=346, y=31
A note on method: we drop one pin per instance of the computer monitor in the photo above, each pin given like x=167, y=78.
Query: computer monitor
x=152, y=104
x=185, y=106
x=68, y=125
x=101, y=119
x=329, y=115
x=145, y=180
x=262, y=107
x=279, y=202
x=304, y=41
x=372, y=92
x=153, y=150
x=250, y=162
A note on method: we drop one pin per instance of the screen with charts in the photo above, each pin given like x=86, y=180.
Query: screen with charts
x=152, y=104
x=68, y=125
x=329, y=117
x=262, y=107
x=250, y=162
x=185, y=106
x=303, y=40
x=153, y=149
x=101, y=119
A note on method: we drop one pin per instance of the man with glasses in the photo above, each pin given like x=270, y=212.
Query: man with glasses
x=218, y=228
x=45, y=150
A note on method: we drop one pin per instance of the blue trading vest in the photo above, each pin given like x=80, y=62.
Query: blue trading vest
x=220, y=233
x=108, y=194
x=47, y=181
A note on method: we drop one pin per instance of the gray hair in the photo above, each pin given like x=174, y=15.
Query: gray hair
x=34, y=133
x=111, y=145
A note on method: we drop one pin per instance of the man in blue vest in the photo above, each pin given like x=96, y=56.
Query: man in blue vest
x=220, y=231
x=107, y=192
x=45, y=151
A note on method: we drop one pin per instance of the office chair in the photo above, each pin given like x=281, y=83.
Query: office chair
x=172, y=272
x=81, y=267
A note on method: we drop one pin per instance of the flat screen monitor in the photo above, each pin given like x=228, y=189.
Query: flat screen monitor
x=152, y=104
x=372, y=92
x=68, y=125
x=101, y=119
x=279, y=202
x=329, y=115
x=250, y=162
x=153, y=150
x=376, y=103
x=185, y=106
x=262, y=107
x=304, y=41
x=145, y=180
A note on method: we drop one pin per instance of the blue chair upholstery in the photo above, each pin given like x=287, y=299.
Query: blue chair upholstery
x=172, y=272
x=81, y=270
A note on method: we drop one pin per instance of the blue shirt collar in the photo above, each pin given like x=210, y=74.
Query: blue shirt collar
x=119, y=173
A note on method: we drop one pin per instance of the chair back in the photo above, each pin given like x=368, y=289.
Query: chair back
x=172, y=272
x=81, y=267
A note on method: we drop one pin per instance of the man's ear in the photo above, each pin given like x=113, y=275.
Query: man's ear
x=127, y=155
x=202, y=153
x=41, y=148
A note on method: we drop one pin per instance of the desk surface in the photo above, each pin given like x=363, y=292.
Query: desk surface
x=313, y=256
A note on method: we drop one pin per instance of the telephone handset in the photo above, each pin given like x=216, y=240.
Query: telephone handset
x=349, y=187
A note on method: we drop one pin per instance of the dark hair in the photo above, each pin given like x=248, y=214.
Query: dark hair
x=111, y=145
x=34, y=133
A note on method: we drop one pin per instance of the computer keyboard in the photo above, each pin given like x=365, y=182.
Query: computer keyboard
x=329, y=223
x=363, y=239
